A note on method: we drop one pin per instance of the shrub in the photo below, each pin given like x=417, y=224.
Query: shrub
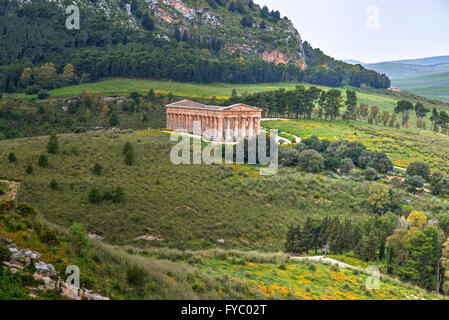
x=288, y=156
x=78, y=239
x=419, y=168
x=4, y=253
x=95, y=196
x=346, y=165
x=371, y=174
x=29, y=169
x=2, y=192
x=300, y=147
x=26, y=210
x=113, y=120
x=43, y=161
x=53, y=184
x=136, y=277
x=312, y=143
x=97, y=169
x=12, y=157
x=128, y=147
x=311, y=161
x=379, y=197
x=416, y=181
x=43, y=94
x=49, y=237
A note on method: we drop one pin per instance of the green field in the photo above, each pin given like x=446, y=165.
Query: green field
x=435, y=86
x=403, y=146
x=124, y=86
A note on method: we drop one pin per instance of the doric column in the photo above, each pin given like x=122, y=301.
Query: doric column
x=220, y=129
x=228, y=129
x=175, y=121
x=242, y=127
x=236, y=127
x=250, y=127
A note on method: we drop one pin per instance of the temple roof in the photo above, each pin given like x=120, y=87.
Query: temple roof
x=188, y=104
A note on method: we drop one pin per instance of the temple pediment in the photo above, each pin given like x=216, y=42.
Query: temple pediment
x=241, y=107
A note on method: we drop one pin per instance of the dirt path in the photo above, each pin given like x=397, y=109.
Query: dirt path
x=323, y=259
x=10, y=194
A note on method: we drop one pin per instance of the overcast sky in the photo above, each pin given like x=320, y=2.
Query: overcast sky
x=350, y=29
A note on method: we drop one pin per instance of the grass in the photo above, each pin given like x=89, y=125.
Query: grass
x=123, y=86
x=188, y=206
x=403, y=146
x=274, y=276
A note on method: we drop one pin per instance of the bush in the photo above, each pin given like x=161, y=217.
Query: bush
x=43, y=94
x=416, y=181
x=78, y=239
x=419, y=168
x=379, y=198
x=95, y=196
x=288, y=156
x=128, y=147
x=312, y=143
x=4, y=253
x=25, y=210
x=136, y=277
x=2, y=192
x=29, y=169
x=49, y=237
x=346, y=165
x=97, y=169
x=53, y=184
x=12, y=157
x=43, y=161
x=311, y=161
x=371, y=174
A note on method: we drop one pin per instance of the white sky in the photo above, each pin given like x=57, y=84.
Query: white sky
x=407, y=28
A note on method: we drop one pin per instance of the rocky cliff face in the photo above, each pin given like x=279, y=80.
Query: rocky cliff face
x=274, y=41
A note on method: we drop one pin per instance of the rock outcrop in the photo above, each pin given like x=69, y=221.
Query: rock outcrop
x=22, y=260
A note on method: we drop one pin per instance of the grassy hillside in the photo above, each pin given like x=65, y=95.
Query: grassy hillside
x=435, y=86
x=397, y=71
x=187, y=206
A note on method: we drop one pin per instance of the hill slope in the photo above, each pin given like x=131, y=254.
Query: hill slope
x=200, y=41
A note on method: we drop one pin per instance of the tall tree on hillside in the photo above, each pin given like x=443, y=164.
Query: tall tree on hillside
x=351, y=105
x=434, y=119
x=404, y=107
x=443, y=121
x=333, y=103
x=421, y=112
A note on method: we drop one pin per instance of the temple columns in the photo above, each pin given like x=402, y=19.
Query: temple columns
x=250, y=127
x=243, y=127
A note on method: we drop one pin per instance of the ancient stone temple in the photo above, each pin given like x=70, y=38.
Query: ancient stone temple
x=214, y=122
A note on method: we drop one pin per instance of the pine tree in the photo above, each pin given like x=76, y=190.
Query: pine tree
x=308, y=235
x=53, y=144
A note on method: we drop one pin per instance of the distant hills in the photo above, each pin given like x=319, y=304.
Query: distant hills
x=428, y=77
x=400, y=69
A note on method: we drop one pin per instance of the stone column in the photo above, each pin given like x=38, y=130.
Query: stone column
x=220, y=129
x=236, y=127
x=250, y=127
x=242, y=127
x=228, y=129
x=257, y=124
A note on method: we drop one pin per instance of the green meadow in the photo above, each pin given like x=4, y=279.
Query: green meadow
x=123, y=86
